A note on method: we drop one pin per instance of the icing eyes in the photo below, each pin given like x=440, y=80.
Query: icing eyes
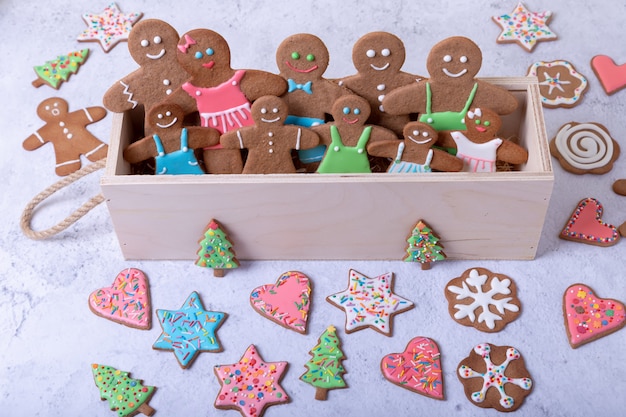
x=295, y=55
x=385, y=52
x=198, y=55
x=157, y=40
x=145, y=43
x=448, y=58
x=208, y=52
x=310, y=57
x=371, y=53
x=487, y=123
x=167, y=113
x=274, y=110
x=463, y=59
x=346, y=110
x=417, y=133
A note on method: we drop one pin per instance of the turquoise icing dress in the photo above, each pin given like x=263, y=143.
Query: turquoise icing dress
x=182, y=161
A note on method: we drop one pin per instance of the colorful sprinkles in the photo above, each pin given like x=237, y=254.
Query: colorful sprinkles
x=525, y=27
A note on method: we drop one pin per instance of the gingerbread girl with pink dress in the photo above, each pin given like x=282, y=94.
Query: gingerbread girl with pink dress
x=220, y=94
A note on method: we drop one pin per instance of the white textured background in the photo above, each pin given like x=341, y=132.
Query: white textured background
x=49, y=338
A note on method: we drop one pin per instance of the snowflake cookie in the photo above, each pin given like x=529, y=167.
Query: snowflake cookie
x=499, y=367
x=483, y=300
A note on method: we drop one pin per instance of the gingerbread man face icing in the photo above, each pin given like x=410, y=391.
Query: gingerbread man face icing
x=482, y=125
x=205, y=55
x=456, y=57
x=351, y=110
x=151, y=41
x=302, y=56
x=377, y=53
x=165, y=116
x=269, y=110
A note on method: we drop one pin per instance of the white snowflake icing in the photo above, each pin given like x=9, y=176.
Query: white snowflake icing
x=483, y=299
x=494, y=376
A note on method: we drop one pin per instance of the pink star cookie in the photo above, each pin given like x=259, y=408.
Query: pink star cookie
x=250, y=385
x=109, y=27
x=524, y=27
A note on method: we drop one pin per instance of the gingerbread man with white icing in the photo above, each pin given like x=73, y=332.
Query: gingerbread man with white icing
x=152, y=44
x=270, y=141
x=68, y=134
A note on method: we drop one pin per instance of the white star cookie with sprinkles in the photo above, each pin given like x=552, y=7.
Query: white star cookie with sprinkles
x=524, y=27
x=369, y=302
x=109, y=27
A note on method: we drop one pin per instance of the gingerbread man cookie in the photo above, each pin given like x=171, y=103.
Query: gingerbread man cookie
x=348, y=136
x=302, y=60
x=220, y=94
x=68, y=134
x=378, y=58
x=171, y=145
x=479, y=147
x=415, y=153
x=152, y=44
x=452, y=90
x=269, y=141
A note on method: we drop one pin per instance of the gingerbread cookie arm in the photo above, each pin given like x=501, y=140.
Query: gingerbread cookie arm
x=183, y=99
x=306, y=138
x=88, y=115
x=382, y=134
x=495, y=98
x=234, y=139
x=120, y=96
x=512, y=153
x=384, y=148
x=141, y=150
x=255, y=84
x=324, y=133
x=406, y=100
x=36, y=140
x=202, y=137
x=443, y=161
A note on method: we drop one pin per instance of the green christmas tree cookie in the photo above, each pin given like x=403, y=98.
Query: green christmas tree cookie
x=126, y=396
x=325, y=369
x=54, y=72
x=423, y=246
x=216, y=250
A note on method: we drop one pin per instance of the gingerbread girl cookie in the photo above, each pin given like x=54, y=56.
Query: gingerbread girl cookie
x=479, y=147
x=302, y=60
x=152, y=44
x=220, y=94
x=269, y=141
x=444, y=99
x=68, y=134
x=171, y=145
x=415, y=153
x=348, y=136
x=378, y=58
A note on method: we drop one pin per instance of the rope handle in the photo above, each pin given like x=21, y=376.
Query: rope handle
x=27, y=214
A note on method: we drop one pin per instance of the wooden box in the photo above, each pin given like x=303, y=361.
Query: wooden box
x=315, y=216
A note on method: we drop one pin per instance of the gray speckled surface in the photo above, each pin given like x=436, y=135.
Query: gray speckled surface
x=49, y=338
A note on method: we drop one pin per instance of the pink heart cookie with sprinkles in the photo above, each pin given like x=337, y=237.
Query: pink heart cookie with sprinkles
x=287, y=302
x=589, y=317
x=127, y=301
x=417, y=369
x=585, y=225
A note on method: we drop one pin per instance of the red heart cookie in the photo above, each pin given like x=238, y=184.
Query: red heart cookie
x=611, y=76
x=418, y=368
x=588, y=317
x=586, y=226
x=287, y=302
x=127, y=301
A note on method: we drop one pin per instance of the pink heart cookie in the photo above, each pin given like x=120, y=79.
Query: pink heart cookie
x=127, y=301
x=611, y=76
x=287, y=302
x=585, y=225
x=589, y=317
x=418, y=368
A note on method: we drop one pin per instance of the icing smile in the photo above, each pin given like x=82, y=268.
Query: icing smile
x=170, y=124
x=454, y=75
x=157, y=56
x=420, y=142
x=270, y=120
x=384, y=67
x=350, y=122
x=304, y=71
x=209, y=65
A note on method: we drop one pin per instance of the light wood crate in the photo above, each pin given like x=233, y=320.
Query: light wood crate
x=319, y=216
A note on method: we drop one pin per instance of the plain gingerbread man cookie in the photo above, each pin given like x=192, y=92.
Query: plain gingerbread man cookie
x=152, y=44
x=68, y=134
x=220, y=94
x=444, y=99
x=269, y=141
x=348, y=136
x=171, y=145
x=378, y=58
x=415, y=153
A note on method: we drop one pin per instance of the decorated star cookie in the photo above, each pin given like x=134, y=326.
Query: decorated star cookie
x=109, y=27
x=54, y=72
x=369, y=302
x=417, y=369
x=585, y=148
x=287, y=302
x=524, y=27
x=611, y=76
x=250, y=385
x=324, y=369
x=126, y=396
x=585, y=225
x=127, y=301
x=495, y=377
x=589, y=317
x=560, y=85
x=189, y=331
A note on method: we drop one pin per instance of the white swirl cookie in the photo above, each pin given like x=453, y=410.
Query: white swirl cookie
x=560, y=85
x=585, y=148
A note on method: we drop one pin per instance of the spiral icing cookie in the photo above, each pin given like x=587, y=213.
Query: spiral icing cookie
x=560, y=85
x=585, y=148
